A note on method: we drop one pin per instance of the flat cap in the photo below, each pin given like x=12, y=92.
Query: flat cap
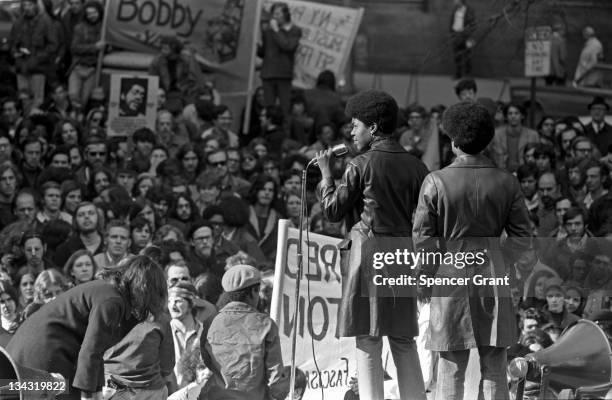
x=239, y=277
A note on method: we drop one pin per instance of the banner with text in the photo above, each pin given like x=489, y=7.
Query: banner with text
x=223, y=34
x=317, y=321
x=328, y=33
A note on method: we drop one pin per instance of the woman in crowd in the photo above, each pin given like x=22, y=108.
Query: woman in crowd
x=80, y=267
x=144, y=208
x=141, y=234
x=546, y=130
x=191, y=162
x=101, y=179
x=9, y=317
x=25, y=286
x=293, y=205
x=48, y=285
x=72, y=195
x=263, y=218
x=143, y=184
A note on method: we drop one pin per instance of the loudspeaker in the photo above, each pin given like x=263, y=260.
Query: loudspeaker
x=579, y=359
x=46, y=385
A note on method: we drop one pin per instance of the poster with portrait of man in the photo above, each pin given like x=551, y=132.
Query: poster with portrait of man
x=133, y=104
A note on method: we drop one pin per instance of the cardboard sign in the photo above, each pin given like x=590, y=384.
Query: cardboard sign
x=133, y=104
x=537, y=51
x=318, y=308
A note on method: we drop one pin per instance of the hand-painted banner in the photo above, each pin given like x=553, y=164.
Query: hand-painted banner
x=328, y=33
x=318, y=307
x=221, y=32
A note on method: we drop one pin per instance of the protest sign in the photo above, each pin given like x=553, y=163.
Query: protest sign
x=221, y=32
x=318, y=305
x=328, y=33
x=133, y=104
x=538, y=42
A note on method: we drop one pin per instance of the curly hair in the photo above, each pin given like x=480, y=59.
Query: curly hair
x=469, y=125
x=374, y=107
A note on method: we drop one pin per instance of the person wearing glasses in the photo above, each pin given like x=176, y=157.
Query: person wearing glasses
x=95, y=157
x=583, y=149
x=230, y=184
x=203, y=244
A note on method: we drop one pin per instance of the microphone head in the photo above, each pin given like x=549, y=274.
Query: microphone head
x=339, y=150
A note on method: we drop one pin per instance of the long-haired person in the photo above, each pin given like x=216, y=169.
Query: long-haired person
x=70, y=334
x=48, y=285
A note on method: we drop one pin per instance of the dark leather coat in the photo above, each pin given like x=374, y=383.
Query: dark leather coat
x=466, y=207
x=376, y=197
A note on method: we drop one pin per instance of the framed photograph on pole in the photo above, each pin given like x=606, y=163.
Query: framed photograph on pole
x=133, y=104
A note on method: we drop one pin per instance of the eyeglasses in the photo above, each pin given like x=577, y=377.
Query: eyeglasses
x=176, y=280
x=202, y=238
x=218, y=164
x=587, y=150
x=97, y=153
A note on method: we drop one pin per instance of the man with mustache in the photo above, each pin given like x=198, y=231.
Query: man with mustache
x=87, y=235
x=132, y=99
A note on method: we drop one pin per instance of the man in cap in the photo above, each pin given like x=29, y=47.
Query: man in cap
x=186, y=329
x=598, y=130
x=242, y=346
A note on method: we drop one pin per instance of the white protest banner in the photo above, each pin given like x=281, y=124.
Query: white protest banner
x=133, y=104
x=317, y=322
x=328, y=33
x=538, y=42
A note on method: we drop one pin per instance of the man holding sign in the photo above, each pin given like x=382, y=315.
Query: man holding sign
x=280, y=41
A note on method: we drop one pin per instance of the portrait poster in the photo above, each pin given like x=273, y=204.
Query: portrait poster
x=132, y=105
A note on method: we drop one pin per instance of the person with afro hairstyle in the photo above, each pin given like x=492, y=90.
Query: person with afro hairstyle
x=471, y=198
x=375, y=200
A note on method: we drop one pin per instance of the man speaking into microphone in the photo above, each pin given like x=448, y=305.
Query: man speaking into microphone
x=376, y=197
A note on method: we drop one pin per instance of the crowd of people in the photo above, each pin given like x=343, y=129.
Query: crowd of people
x=199, y=199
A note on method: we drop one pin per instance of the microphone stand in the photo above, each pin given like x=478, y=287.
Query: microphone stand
x=298, y=276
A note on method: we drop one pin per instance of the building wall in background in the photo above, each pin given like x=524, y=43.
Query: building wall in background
x=412, y=36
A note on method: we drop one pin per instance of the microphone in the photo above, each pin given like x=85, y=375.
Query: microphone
x=339, y=150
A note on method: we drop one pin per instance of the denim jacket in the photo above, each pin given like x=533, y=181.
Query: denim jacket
x=242, y=349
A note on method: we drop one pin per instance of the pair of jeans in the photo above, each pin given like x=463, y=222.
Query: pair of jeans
x=451, y=374
x=81, y=83
x=34, y=84
x=370, y=372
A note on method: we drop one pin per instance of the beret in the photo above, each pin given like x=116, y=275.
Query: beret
x=239, y=277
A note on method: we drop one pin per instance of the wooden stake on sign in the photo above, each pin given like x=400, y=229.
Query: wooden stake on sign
x=102, y=38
